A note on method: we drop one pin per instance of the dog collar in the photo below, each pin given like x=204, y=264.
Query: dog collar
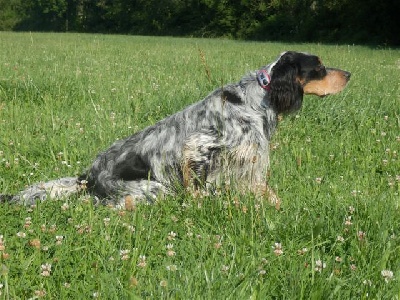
x=264, y=79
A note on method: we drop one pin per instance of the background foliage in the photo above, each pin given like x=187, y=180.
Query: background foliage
x=356, y=21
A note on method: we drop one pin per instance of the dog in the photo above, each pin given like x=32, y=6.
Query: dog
x=222, y=141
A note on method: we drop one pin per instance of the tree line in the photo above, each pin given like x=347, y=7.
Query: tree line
x=347, y=21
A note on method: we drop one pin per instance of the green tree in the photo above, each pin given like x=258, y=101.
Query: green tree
x=9, y=14
x=361, y=21
x=49, y=15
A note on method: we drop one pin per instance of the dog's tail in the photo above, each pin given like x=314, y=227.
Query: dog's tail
x=53, y=189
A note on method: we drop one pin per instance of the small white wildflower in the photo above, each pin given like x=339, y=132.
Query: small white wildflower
x=367, y=282
x=59, y=239
x=171, y=236
x=319, y=265
x=124, y=254
x=2, y=242
x=163, y=283
x=302, y=251
x=225, y=268
x=28, y=222
x=172, y=268
x=21, y=234
x=142, y=261
x=106, y=221
x=361, y=235
x=278, y=249
x=46, y=269
x=170, y=251
x=39, y=294
x=387, y=275
x=348, y=222
x=131, y=228
x=262, y=272
x=64, y=207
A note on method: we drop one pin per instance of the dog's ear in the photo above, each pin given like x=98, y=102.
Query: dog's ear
x=286, y=90
x=231, y=94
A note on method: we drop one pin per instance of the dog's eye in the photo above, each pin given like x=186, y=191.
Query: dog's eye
x=321, y=70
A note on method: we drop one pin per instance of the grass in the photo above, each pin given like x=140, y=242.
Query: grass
x=65, y=97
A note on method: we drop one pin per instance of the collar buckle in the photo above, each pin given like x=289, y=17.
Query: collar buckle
x=264, y=79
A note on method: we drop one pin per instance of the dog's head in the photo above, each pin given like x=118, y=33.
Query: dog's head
x=295, y=74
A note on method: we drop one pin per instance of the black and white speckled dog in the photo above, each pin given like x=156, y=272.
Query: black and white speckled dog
x=221, y=140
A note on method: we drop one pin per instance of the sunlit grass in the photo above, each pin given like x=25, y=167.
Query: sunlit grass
x=335, y=164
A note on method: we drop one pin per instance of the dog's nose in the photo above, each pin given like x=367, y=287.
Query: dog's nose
x=347, y=75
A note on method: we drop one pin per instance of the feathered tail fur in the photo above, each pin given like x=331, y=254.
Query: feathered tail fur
x=58, y=188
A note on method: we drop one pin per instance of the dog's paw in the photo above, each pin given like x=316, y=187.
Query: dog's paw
x=273, y=198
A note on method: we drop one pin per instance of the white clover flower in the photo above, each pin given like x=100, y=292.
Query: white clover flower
x=46, y=269
x=387, y=275
x=319, y=265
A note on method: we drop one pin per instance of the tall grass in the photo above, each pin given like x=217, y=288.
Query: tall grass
x=335, y=164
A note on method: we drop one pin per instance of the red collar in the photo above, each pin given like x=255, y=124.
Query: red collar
x=264, y=79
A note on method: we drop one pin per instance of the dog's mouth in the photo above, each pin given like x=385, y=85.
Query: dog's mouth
x=333, y=82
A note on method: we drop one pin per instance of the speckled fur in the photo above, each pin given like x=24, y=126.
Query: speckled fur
x=221, y=140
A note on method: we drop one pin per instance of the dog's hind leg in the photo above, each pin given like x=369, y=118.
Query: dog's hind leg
x=136, y=191
x=53, y=189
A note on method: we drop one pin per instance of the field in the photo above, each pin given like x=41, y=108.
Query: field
x=335, y=165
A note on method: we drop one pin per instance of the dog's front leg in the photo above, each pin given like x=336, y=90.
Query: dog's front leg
x=264, y=191
x=272, y=197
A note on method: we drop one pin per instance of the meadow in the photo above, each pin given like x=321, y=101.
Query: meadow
x=335, y=165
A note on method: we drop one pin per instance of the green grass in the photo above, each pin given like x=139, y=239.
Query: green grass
x=65, y=97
